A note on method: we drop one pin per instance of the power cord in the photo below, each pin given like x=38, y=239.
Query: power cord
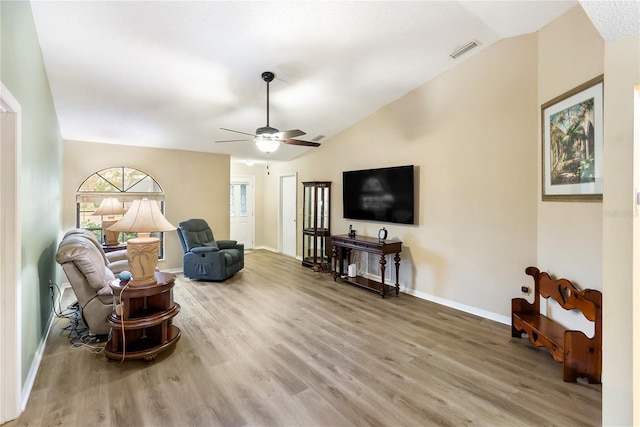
x=121, y=305
x=70, y=310
x=79, y=333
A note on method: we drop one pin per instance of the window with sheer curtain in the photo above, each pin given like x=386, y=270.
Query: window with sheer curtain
x=122, y=183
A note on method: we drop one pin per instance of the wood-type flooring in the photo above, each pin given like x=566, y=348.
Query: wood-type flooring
x=281, y=345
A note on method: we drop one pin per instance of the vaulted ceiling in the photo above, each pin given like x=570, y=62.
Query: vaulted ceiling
x=170, y=74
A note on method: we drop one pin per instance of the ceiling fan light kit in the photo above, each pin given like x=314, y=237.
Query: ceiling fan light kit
x=268, y=139
x=266, y=145
x=268, y=130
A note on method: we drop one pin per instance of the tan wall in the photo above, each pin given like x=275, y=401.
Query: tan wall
x=196, y=185
x=471, y=134
x=620, y=216
x=570, y=53
x=592, y=243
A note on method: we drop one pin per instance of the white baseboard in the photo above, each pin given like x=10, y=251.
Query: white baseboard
x=462, y=307
x=423, y=295
x=447, y=303
x=267, y=248
x=35, y=364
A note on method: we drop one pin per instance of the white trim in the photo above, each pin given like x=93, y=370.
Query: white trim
x=442, y=301
x=636, y=255
x=267, y=248
x=35, y=365
x=506, y=320
x=280, y=213
x=10, y=257
x=462, y=307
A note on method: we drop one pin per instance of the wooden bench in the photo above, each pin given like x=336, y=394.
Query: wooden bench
x=581, y=356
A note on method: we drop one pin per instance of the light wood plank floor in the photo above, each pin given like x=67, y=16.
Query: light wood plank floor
x=280, y=345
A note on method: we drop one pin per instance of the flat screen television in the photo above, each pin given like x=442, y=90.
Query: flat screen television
x=384, y=194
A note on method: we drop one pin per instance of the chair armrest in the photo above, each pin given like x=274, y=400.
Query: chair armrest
x=202, y=249
x=227, y=244
x=119, y=266
x=106, y=290
x=116, y=255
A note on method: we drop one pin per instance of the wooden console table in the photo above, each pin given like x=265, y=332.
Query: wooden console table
x=113, y=248
x=370, y=245
x=147, y=314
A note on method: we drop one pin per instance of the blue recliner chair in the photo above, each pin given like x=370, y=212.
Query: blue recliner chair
x=204, y=257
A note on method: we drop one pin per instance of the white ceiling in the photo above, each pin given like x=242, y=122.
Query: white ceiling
x=171, y=73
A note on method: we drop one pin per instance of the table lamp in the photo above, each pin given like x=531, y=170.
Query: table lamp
x=143, y=217
x=110, y=207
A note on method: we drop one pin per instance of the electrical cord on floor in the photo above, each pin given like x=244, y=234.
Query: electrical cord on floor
x=69, y=311
x=79, y=333
x=122, y=318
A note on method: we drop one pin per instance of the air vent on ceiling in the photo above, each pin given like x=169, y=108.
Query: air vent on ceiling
x=464, y=49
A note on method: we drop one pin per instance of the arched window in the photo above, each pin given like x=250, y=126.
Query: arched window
x=125, y=185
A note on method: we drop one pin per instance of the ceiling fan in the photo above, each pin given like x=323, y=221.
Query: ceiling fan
x=268, y=139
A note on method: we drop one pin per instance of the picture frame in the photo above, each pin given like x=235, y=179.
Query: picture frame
x=572, y=144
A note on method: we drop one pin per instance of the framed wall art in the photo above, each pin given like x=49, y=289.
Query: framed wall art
x=572, y=132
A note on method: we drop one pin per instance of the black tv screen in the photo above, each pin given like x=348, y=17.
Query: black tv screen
x=384, y=194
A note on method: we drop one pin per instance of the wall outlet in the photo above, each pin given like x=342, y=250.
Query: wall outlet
x=524, y=290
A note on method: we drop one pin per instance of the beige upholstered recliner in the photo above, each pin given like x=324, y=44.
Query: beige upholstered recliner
x=90, y=271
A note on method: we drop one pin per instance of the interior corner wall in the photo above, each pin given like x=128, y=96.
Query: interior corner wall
x=570, y=53
x=471, y=135
x=636, y=254
x=23, y=73
x=591, y=243
x=620, y=216
x=196, y=185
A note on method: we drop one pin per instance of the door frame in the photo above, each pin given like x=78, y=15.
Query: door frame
x=635, y=255
x=281, y=213
x=252, y=182
x=10, y=256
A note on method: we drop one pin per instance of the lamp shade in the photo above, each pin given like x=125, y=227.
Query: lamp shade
x=109, y=206
x=143, y=216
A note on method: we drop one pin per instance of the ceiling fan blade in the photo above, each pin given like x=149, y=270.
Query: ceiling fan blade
x=237, y=131
x=269, y=133
x=300, y=142
x=234, y=140
x=285, y=134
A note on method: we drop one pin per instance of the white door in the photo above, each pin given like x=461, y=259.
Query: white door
x=288, y=193
x=241, y=193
